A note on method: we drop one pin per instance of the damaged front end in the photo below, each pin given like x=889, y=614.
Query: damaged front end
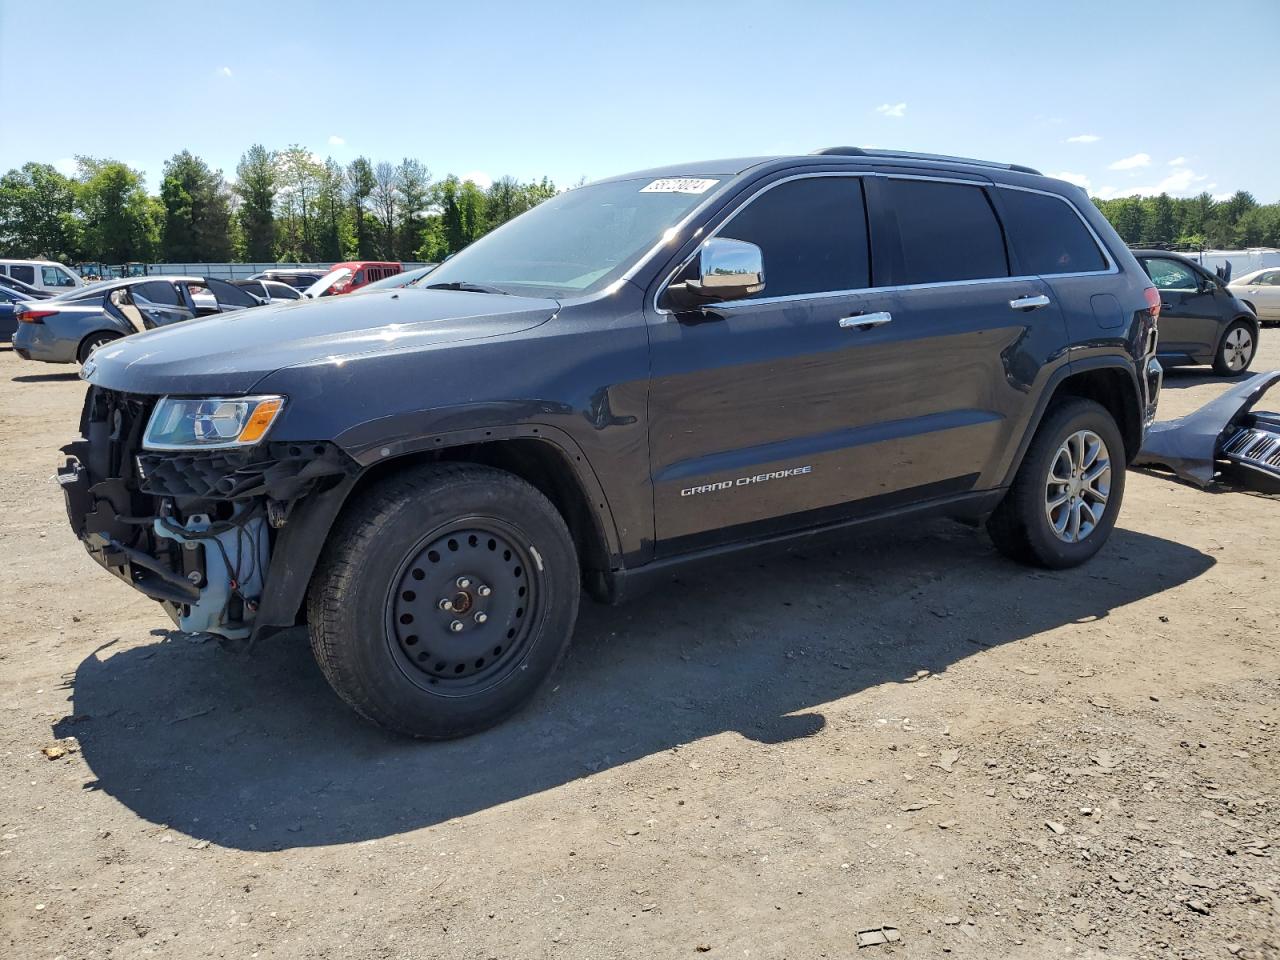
x=1227, y=437
x=193, y=529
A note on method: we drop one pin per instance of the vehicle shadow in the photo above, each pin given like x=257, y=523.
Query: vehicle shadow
x=1178, y=378
x=253, y=751
x=47, y=377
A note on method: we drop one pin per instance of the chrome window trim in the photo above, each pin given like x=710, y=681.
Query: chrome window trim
x=1112, y=266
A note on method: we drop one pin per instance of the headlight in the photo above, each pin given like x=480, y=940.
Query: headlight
x=210, y=423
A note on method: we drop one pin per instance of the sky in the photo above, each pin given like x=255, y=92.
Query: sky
x=1120, y=97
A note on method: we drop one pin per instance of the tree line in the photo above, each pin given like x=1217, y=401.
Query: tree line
x=1201, y=222
x=288, y=205
x=283, y=206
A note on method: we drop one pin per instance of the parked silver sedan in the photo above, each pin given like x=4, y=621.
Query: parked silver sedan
x=1261, y=291
x=67, y=328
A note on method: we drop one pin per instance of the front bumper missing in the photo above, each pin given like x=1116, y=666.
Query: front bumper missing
x=1224, y=436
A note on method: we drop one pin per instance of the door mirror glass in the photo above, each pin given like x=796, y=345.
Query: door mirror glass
x=723, y=269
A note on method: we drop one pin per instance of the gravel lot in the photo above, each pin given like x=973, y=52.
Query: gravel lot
x=760, y=760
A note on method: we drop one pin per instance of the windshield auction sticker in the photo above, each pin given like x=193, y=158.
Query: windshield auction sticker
x=679, y=185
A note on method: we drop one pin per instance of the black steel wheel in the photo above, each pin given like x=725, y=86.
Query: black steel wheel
x=465, y=606
x=444, y=598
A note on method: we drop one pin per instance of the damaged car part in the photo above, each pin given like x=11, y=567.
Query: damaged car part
x=1225, y=436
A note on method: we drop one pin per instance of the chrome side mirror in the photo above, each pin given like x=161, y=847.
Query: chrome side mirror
x=724, y=270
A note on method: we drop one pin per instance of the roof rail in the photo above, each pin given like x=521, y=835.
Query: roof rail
x=907, y=155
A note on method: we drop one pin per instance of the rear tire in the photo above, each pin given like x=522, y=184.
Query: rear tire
x=1064, y=500
x=92, y=343
x=1236, y=349
x=444, y=598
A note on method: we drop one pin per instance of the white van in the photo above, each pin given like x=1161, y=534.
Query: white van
x=41, y=274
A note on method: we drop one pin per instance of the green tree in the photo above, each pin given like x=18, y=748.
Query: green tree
x=298, y=175
x=197, y=214
x=413, y=183
x=360, y=184
x=1160, y=226
x=37, y=214
x=256, y=187
x=120, y=221
x=333, y=239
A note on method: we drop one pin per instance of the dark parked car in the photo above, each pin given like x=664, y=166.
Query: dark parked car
x=1201, y=318
x=66, y=329
x=10, y=302
x=36, y=293
x=654, y=369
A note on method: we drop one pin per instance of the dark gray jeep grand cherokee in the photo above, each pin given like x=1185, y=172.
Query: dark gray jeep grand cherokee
x=651, y=369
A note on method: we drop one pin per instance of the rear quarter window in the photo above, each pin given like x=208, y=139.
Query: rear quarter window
x=948, y=231
x=23, y=272
x=1048, y=235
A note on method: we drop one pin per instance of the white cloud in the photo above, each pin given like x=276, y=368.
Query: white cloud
x=1178, y=162
x=67, y=166
x=892, y=109
x=224, y=71
x=1084, y=138
x=336, y=141
x=1079, y=179
x=479, y=178
x=1132, y=163
x=1182, y=181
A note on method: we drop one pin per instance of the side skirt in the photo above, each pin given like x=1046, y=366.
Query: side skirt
x=625, y=584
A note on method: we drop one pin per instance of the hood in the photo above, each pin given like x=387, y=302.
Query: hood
x=229, y=353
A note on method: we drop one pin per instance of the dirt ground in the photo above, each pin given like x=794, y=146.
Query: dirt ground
x=758, y=761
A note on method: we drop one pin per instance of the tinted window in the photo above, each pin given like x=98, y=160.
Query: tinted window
x=227, y=293
x=1171, y=275
x=813, y=234
x=282, y=291
x=156, y=291
x=948, y=231
x=253, y=287
x=1048, y=235
x=1271, y=279
x=21, y=272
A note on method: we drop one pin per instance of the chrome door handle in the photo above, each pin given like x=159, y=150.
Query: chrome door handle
x=865, y=321
x=1030, y=303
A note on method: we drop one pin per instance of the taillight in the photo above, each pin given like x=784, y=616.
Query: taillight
x=1153, y=301
x=35, y=316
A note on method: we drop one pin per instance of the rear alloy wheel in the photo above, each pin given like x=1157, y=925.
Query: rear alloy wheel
x=1064, y=500
x=444, y=598
x=1236, y=350
x=92, y=343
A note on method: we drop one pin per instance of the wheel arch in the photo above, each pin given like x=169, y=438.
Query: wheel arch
x=555, y=467
x=96, y=332
x=1109, y=381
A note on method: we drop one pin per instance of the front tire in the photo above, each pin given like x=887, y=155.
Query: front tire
x=1065, y=498
x=1236, y=349
x=444, y=599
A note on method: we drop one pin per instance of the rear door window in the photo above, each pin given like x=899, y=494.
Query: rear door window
x=157, y=291
x=812, y=233
x=948, y=231
x=23, y=272
x=1171, y=275
x=1047, y=235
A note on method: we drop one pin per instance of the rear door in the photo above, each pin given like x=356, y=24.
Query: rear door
x=159, y=303
x=1264, y=294
x=1190, y=314
x=970, y=341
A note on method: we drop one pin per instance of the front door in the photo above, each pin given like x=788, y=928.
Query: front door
x=1190, y=311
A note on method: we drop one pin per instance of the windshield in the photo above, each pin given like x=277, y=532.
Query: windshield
x=579, y=241
x=324, y=286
